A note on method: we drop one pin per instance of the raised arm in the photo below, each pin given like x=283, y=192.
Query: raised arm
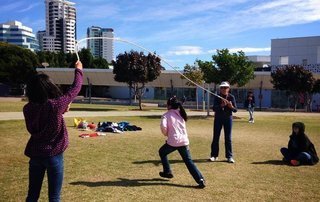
x=61, y=103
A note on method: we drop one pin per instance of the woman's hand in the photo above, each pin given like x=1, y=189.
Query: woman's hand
x=230, y=105
x=78, y=65
x=224, y=103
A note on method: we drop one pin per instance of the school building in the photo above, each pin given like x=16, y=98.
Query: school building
x=303, y=51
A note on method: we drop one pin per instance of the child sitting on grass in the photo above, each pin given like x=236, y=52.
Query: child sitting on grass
x=300, y=149
x=173, y=125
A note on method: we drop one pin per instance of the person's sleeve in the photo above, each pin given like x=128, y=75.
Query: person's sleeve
x=61, y=103
x=246, y=103
x=216, y=104
x=235, y=108
x=164, y=126
x=290, y=147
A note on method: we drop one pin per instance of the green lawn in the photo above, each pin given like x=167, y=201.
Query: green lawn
x=14, y=106
x=125, y=167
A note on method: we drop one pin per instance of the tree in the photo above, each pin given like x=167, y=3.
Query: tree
x=86, y=58
x=315, y=89
x=100, y=63
x=136, y=69
x=17, y=64
x=234, y=68
x=194, y=74
x=294, y=79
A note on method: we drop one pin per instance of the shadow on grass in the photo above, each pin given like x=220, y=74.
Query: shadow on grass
x=189, y=117
x=271, y=162
x=92, y=109
x=123, y=182
x=158, y=162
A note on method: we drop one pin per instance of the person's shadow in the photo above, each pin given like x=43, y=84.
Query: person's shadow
x=123, y=182
x=271, y=162
x=158, y=162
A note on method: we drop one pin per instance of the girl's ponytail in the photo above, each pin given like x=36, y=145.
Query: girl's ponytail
x=175, y=104
x=182, y=112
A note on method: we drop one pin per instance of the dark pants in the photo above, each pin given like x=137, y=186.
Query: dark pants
x=250, y=110
x=302, y=157
x=226, y=122
x=37, y=169
x=186, y=156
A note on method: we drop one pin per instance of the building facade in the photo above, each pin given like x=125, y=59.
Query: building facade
x=16, y=33
x=40, y=35
x=60, y=33
x=303, y=51
x=300, y=51
x=101, y=47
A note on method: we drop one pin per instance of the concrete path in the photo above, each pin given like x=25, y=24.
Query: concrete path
x=242, y=114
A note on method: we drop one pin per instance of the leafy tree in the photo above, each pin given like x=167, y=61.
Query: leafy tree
x=225, y=66
x=86, y=58
x=294, y=79
x=100, y=63
x=194, y=74
x=315, y=89
x=16, y=64
x=136, y=69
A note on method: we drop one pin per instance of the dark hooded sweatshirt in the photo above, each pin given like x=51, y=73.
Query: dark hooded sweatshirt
x=301, y=143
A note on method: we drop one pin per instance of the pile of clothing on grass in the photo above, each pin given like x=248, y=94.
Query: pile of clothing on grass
x=103, y=127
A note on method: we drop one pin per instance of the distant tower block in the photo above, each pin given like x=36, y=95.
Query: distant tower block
x=101, y=47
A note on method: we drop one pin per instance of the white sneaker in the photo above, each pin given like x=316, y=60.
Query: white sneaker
x=231, y=160
x=212, y=159
x=252, y=121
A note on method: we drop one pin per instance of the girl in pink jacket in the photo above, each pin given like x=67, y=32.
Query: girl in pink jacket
x=173, y=125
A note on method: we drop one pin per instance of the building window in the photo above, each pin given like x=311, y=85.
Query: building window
x=304, y=62
x=284, y=60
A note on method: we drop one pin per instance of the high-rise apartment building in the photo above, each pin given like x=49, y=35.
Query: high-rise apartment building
x=15, y=32
x=40, y=35
x=60, y=26
x=101, y=47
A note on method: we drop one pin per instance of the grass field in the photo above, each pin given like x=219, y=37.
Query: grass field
x=17, y=106
x=125, y=167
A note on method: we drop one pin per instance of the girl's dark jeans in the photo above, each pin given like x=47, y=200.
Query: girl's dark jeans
x=37, y=168
x=302, y=157
x=186, y=156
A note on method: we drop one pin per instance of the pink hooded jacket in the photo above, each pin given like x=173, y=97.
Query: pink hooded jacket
x=174, y=127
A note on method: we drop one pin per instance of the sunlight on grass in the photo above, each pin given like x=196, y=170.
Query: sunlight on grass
x=124, y=167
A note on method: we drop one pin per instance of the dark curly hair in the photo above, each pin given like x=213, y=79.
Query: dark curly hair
x=40, y=88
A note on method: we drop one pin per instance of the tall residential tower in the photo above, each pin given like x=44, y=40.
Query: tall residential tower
x=60, y=26
x=101, y=47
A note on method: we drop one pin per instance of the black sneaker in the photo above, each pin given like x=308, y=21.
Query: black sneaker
x=202, y=184
x=165, y=175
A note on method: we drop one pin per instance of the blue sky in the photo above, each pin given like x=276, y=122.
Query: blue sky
x=182, y=31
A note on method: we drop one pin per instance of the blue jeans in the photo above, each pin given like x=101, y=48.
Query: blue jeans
x=226, y=122
x=250, y=110
x=302, y=157
x=186, y=156
x=37, y=168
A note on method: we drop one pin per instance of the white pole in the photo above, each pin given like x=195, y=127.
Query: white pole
x=208, y=101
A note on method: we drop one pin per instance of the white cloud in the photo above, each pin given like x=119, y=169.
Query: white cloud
x=29, y=7
x=186, y=50
x=246, y=50
x=214, y=23
x=11, y=6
